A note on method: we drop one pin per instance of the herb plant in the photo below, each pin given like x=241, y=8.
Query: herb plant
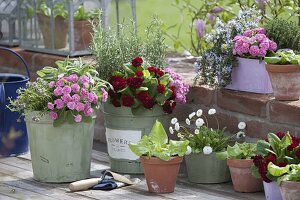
x=112, y=49
x=283, y=57
x=281, y=149
x=238, y=151
x=69, y=93
x=287, y=173
x=156, y=144
x=285, y=33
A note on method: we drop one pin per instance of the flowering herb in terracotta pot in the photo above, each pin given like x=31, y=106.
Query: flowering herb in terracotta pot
x=280, y=149
x=142, y=86
x=204, y=142
x=69, y=93
x=239, y=160
x=161, y=158
x=288, y=179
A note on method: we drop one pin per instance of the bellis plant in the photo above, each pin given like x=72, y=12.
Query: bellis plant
x=202, y=138
x=142, y=87
x=280, y=149
x=69, y=93
x=253, y=43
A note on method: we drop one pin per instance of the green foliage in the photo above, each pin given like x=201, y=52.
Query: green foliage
x=285, y=33
x=238, y=151
x=81, y=14
x=283, y=57
x=215, y=138
x=112, y=50
x=58, y=9
x=157, y=145
x=287, y=173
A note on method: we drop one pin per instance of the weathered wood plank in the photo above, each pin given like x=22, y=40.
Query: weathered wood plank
x=4, y=197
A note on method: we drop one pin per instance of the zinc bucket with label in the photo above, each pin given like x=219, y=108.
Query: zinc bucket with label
x=122, y=128
x=13, y=134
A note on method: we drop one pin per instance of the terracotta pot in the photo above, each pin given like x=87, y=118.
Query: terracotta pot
x=82, y=35
x=290, y=190
x=161, y=175
x=61, y=31
x=285, y=81
x=241, y=176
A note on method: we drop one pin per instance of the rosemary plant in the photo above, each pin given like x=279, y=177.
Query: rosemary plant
x=112, y=50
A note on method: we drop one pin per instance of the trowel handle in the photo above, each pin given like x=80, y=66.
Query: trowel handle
x=84, y=184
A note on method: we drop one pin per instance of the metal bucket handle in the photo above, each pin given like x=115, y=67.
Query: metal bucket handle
x=18, y=56
x=2, y=90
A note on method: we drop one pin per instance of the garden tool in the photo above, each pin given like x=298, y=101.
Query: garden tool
x=107, y=181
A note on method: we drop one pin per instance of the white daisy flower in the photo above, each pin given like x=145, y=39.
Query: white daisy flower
x=171, y=130
x=199, y=122
x=212, y=111
x=188, y=150
x=242, y=125
x=177, y=127
x=61, y=75
x=174, y=120
x=179, y=135
x=240, y=135
x=192, y=115
x=196, y=131
x=199, y=113
x=187, y=121
x=207, y=150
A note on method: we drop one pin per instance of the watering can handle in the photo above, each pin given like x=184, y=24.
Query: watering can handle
x=2, y=107
x=19, y=56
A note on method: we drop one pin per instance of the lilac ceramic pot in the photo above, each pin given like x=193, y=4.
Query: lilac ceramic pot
x=250, y=76
x=272, y=191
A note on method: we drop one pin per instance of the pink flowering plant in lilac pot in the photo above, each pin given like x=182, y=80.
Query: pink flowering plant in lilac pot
x=69, y=93
x=253, y=43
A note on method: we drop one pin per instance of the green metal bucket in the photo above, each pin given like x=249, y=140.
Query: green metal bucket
x=206, y=169
x=59, y=154
x=122, y=128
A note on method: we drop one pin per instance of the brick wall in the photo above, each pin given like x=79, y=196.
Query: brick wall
x=262, y=113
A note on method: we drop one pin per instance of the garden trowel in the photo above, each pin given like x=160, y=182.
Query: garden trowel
x=115, y=179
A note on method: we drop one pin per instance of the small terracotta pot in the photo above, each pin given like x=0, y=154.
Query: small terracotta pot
x=285, y=81
x=82, y=35
x=290, y=190
x=161, y=175
x=241, y=176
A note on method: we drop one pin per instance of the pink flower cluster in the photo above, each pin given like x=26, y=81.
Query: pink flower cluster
x=180, y=88
x=253, y=43
x=74, y=94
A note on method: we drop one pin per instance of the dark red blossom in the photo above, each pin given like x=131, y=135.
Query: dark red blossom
x=117, y=82
x=298, y=154
x=282, y=164
x=295, y=143
x=280, y=134
x=112, y=94
x=270, y=158
x=169, y=106
x=152, y=69
x=135, y=82
x=262, y=167
x=137, y=61
x=127, y=101
x=139, y=74
x=161, y=89
x=159, y=72
x=146, y=99
x=173, y=96
x=115, y=102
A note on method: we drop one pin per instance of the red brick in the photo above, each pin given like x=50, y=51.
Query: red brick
x=258, y=129
x=285, y=112
x=41, y=60
x=243, y=102
x=201, y=95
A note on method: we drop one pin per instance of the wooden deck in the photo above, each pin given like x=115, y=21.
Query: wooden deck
x=16, y=182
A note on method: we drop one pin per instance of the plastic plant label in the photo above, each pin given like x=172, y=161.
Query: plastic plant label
x=118, y=140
